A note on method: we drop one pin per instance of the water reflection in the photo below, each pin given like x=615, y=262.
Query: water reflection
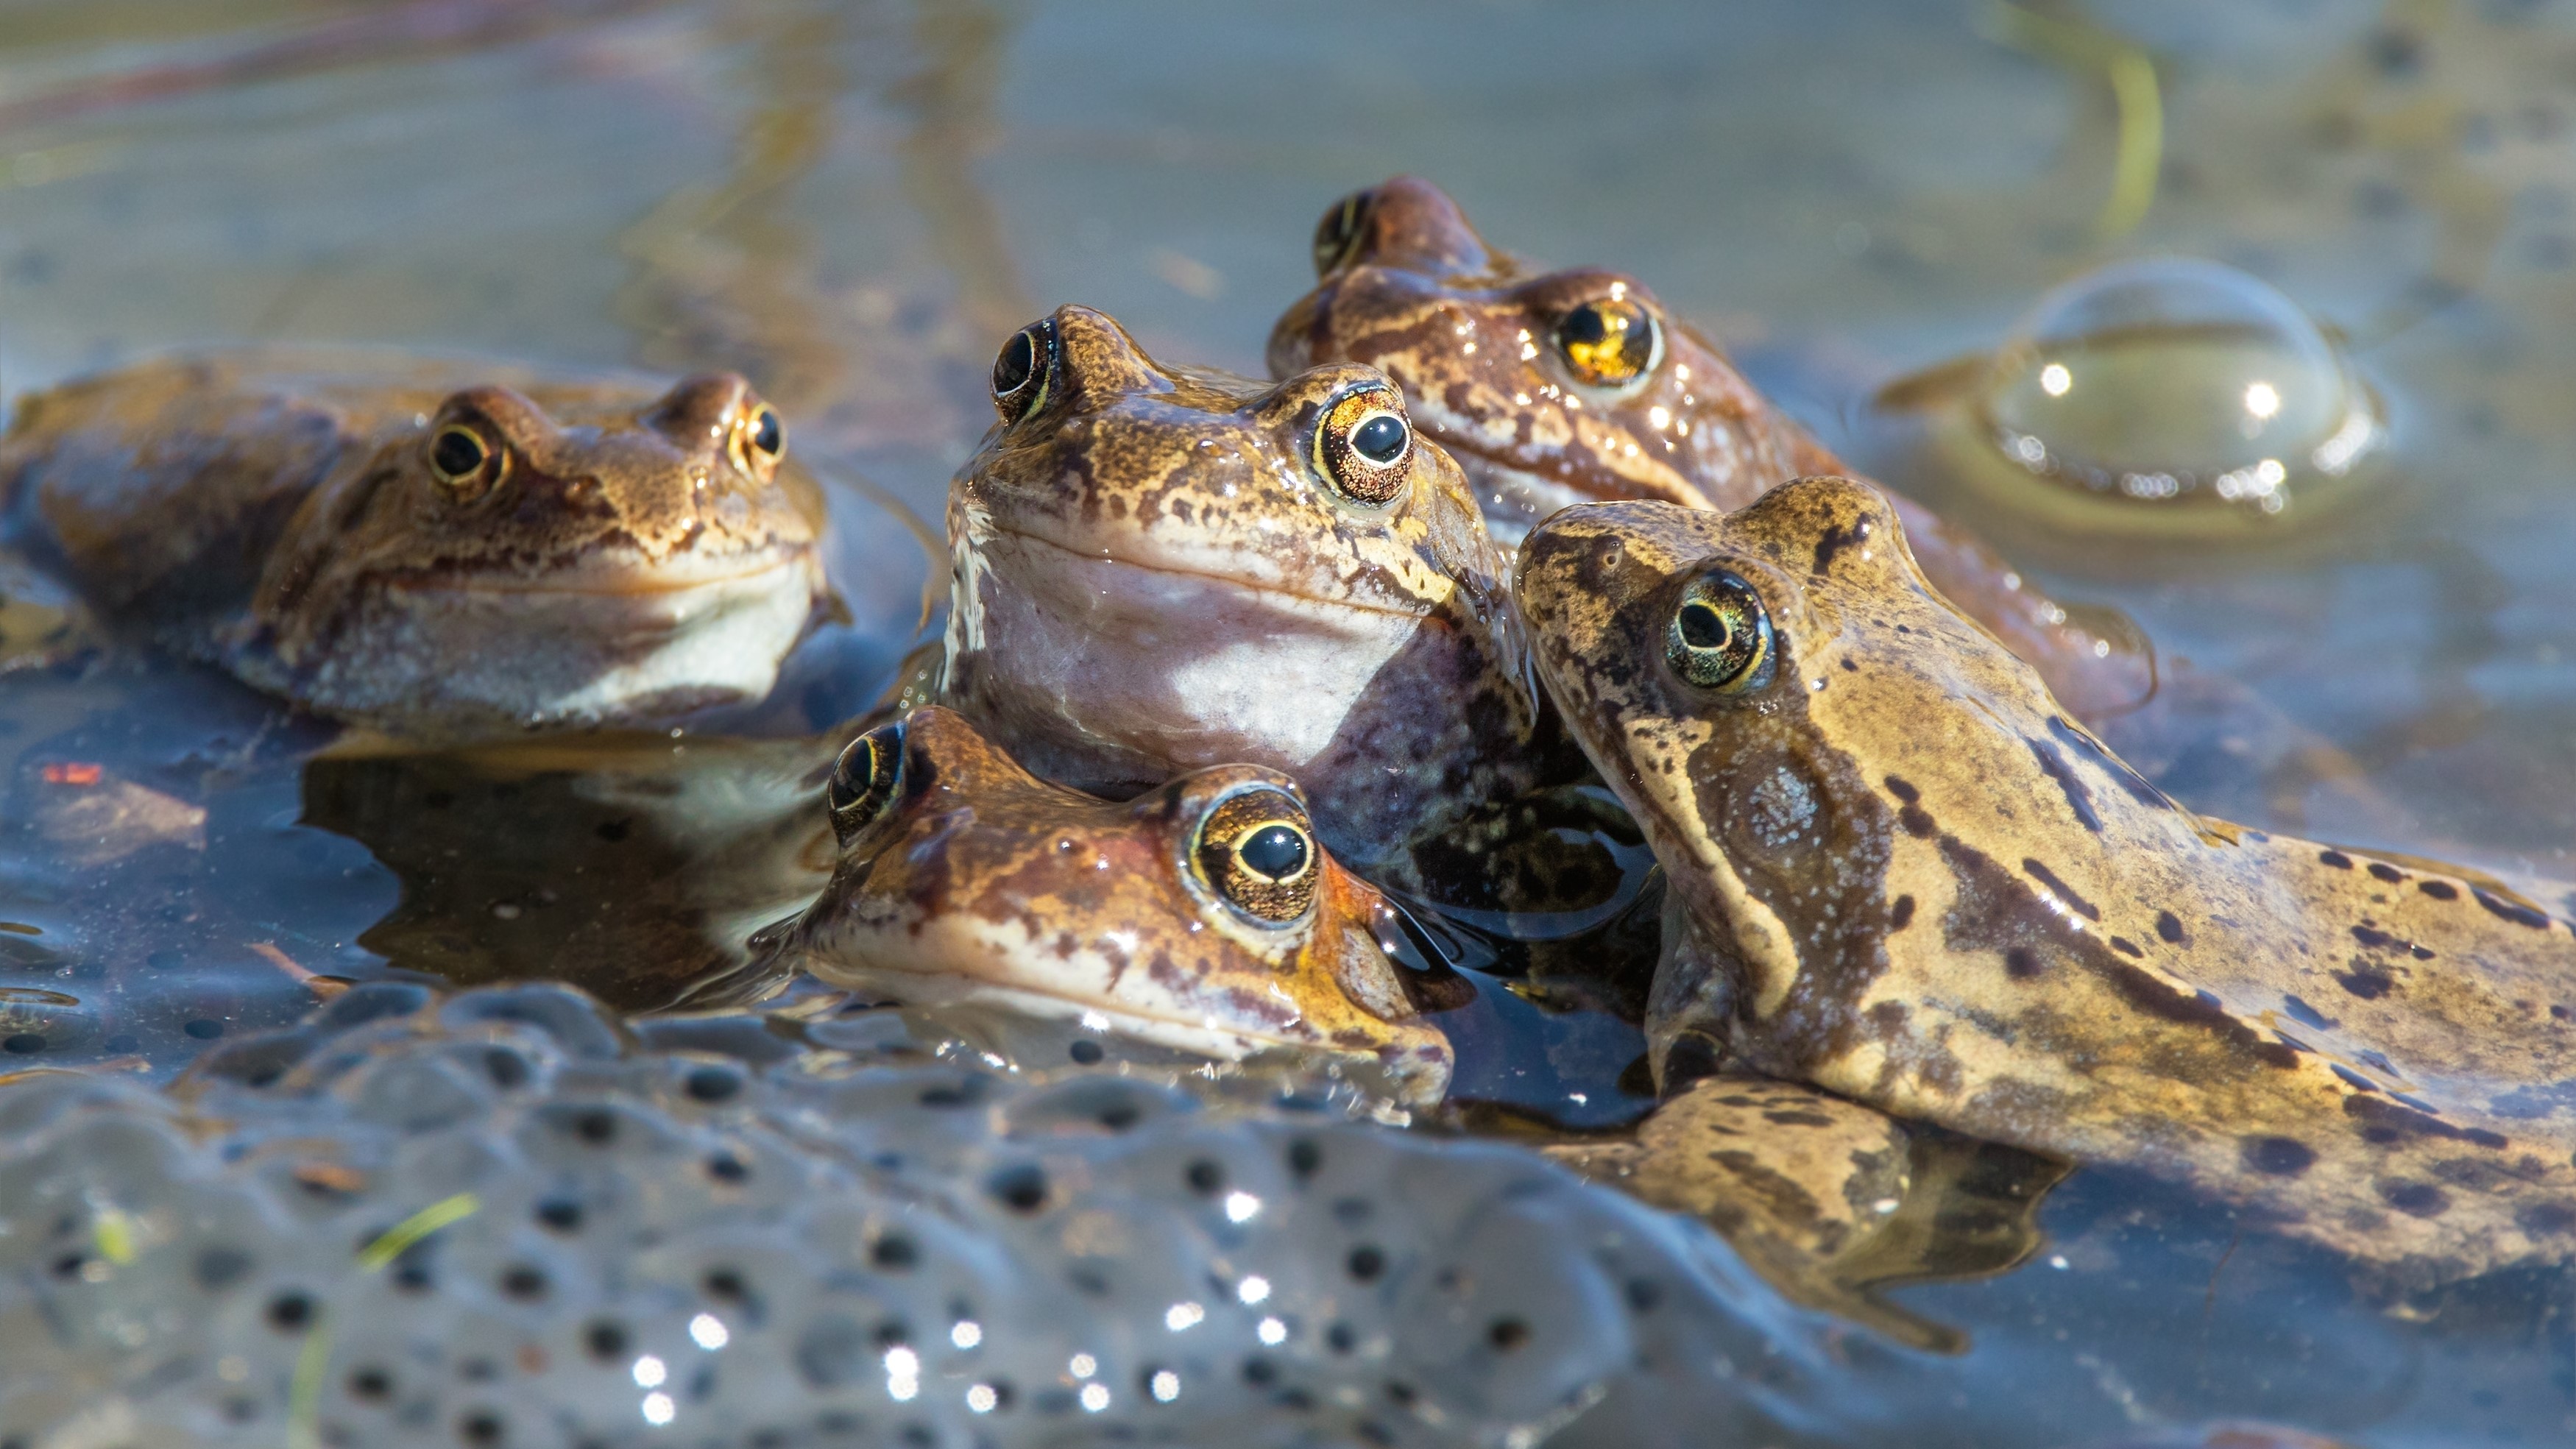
x=634, y=867
x=1832, y=1202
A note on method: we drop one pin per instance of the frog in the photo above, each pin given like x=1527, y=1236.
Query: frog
x=1898, y=871
x=1576, y=385
x=1203, y=916
x=1157, y=569
x=438, y=548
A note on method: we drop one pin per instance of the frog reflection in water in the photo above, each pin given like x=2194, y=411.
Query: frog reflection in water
x=1578, y=386
x=420, y=547
x=1200, y=916
x=1900, y=873
x=1159, y=569
x=625, y=863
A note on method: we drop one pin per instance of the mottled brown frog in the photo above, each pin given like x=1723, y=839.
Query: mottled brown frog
x=1905, y=876
x=1578, y=386
x=1203, y=915
x=438, y=549
x=1158, y=569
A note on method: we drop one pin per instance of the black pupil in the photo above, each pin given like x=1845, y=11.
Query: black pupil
x=849, y=782
x=1276, y=852
x=764, y=433
x=861, y=765
x=1011, y=370
x=1703, y=627
x=1340, y=225
x=1585, y=324
x=1380, y=439
x=457, y=453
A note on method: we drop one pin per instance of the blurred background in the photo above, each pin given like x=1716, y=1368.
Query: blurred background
x=855, y=203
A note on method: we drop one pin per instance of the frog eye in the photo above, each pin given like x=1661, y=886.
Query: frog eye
x=1364, y=446
x=1338, y=234
x=1257, y=852
x=1609, y=341
x=1021, y=372
x=1720, y=637
x=759, y=440
x=466, y=461
x=865, y=781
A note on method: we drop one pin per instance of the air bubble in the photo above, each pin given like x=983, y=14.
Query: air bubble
x=2170, y=395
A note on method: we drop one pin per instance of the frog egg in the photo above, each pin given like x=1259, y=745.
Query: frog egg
x=2176, y=393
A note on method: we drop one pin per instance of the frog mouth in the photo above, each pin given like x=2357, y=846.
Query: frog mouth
x=623, y=574
x=964, y=960
x=1086, y=560
x=966, y=988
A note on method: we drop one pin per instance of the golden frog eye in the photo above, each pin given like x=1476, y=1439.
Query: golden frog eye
x=1364, y=445
x=1257, y=852
x=865, y=781
x=1021, y=372
x=1609, y=342
x=1720, y=637
x=466, y=462
x=1338, y=234
x=759, y=440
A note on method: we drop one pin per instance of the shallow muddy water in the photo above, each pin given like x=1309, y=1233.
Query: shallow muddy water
x=853, y=204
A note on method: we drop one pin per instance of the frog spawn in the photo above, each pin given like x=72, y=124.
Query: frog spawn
x=788, y=1247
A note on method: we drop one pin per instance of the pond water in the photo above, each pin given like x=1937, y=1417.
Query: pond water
x=854, y=204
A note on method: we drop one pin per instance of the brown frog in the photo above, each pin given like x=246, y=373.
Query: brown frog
x=438, y=549
x=1158, y=569
x=1202, y=915
x=1577, y=386
x=1901, y=873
